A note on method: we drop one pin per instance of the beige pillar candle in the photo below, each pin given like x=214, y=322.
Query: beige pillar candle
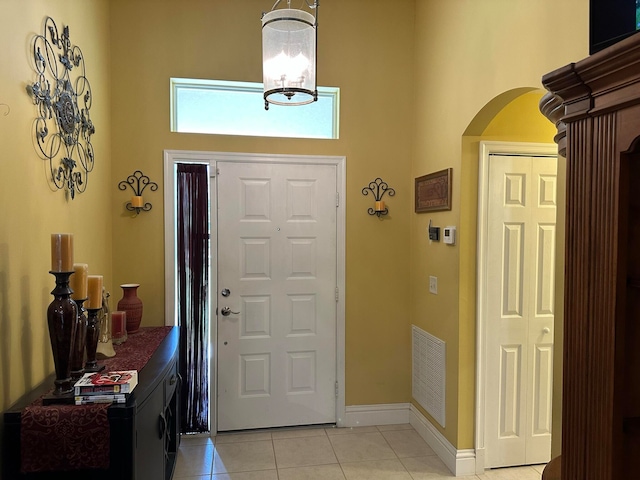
x=380, y=206
x=61, y=252
x=137, y=202
x=78, y=281
x=94, y=287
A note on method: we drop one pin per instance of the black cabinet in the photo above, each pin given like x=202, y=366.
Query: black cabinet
x=157, y=435
x=150, y=445
x=144, y=432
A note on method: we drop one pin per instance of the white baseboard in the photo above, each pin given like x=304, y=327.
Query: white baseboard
x=460, y=462
x=381, y=414
x=479, y=461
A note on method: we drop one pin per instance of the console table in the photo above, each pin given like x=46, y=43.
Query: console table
x=144, y=433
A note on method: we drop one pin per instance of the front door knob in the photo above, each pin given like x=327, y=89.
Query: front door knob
x=226, y=311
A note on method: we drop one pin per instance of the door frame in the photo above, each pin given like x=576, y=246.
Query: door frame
x=487, y=148
x=173, y=157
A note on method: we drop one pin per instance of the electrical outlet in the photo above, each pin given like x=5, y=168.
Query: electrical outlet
x=433, y=285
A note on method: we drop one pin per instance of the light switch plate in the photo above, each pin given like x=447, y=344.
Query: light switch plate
x=433, y=285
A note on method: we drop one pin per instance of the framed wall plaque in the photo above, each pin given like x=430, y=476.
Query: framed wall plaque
x=433, y=191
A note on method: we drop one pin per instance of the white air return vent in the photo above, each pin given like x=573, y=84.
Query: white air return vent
x=428, y=373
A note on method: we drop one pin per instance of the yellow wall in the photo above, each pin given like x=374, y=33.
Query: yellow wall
x=30, y=210
x=366, y=49
x=420, y=82
x=481, y=52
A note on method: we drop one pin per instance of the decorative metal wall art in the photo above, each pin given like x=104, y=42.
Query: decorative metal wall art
x=378, y=188
x=62, y=94
x=138, y=182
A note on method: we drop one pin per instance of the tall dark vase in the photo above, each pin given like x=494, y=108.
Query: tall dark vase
x=77, y=358
x=131, y=304
x=91, y=346
x=62, y=318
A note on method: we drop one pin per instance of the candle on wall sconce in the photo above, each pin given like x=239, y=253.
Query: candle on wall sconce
x=138, y=182
x=137, y=202
x=378, y=188
x=62, y=252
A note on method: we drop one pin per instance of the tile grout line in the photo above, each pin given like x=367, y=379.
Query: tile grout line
x=275, y=459
x=394, y=452
x=344, y=475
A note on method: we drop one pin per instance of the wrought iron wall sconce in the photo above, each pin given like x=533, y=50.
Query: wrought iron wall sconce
x=378, y=188
x=138, y=182
x=63, y=97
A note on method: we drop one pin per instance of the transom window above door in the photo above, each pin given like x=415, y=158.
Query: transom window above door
x=237, y=108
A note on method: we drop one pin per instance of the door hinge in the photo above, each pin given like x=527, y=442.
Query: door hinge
x=336, y=388
x=337, y=199
x=337, y=294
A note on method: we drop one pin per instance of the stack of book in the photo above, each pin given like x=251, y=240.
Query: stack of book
x=105, y=387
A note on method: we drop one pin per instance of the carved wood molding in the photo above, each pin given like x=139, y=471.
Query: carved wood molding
x=552, y=107
x=605, y=81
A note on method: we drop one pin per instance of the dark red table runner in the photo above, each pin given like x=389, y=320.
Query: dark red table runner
x=137, y=350
x=70, y=437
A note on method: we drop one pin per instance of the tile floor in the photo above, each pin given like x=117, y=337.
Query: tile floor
x=390, y=452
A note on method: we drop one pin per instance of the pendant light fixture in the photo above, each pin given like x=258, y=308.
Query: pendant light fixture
x=289, y=47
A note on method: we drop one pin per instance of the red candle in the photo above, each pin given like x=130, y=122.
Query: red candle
x=118, y=323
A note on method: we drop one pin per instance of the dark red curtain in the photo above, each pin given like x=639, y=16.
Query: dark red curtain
x=193, y=284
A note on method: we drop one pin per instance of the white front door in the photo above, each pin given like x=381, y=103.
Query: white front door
x=277, y=264
x=520, y=309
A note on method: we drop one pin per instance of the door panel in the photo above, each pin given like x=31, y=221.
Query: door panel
x=277, y=256
x=520, y=302
x=541, y=320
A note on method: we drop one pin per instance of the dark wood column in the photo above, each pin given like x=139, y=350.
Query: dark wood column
x=600, y=110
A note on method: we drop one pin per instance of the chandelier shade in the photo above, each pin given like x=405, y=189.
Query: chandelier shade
x=289, y=57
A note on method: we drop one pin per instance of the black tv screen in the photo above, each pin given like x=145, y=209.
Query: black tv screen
x=610, y=21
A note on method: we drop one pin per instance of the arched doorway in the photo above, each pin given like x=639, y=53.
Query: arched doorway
x=511, y=117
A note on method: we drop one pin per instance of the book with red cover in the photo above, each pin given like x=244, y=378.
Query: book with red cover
x=123, y=381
